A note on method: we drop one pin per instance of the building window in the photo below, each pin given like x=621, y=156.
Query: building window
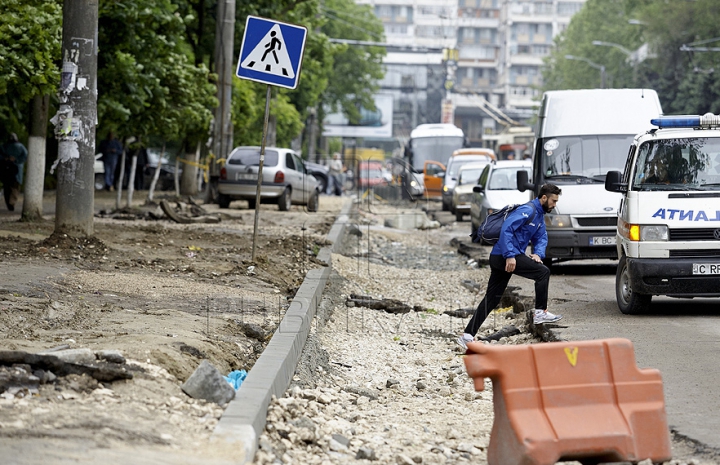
x=394, y=13
x=541, y=50
x=568, y=8
x=396, y=29
x=543, y=8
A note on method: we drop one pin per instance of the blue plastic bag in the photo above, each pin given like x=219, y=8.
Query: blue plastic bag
x=236, y=378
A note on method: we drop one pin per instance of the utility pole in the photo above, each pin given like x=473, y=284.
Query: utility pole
x=76, y=118
x=224, y=56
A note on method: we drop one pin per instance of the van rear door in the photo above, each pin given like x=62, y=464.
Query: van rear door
x=433, y=175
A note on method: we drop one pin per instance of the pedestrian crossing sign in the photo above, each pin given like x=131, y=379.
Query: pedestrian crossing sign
x=271, y=52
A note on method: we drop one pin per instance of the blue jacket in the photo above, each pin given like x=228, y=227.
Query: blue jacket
x=515, y=235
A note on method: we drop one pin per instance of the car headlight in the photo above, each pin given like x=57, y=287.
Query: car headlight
x=656, y=232
x=413, y=183
x=557, y=221
x=465, y=198
x=445, y=188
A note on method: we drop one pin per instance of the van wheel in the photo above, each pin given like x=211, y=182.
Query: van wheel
x=223, y=201
x=445, y=207
x=284, y=201
x=629, y=302
x=458, y=216
x=313, y=202
x=251, y=204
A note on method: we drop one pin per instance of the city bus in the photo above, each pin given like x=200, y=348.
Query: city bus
x=428, y=151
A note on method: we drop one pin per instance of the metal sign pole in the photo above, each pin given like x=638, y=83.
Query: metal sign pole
x=260, y=168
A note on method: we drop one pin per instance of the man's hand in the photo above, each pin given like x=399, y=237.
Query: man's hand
x=536, y=257
x=510, y=264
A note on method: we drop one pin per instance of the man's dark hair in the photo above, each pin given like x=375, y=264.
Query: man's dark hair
x=548, y=189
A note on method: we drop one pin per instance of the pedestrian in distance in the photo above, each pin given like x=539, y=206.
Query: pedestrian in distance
x=508, y=257
x=336, y=175
x=111, y=149
x=13, y=156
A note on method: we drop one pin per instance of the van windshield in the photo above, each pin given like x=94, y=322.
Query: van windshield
x=580, y=159
x=678, y=164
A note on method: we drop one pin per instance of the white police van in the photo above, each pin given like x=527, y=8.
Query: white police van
x=668, y=230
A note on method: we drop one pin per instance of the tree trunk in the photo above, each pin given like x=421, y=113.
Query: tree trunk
x=131, y=180
x=75, y=121
x=119, y=180
x=224, y=67
x=188, y=179
x=35, y=172
x=156, y=175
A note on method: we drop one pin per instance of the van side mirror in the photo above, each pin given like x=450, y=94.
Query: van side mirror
x=613, y=182
x=522, y=181
x=478, y=188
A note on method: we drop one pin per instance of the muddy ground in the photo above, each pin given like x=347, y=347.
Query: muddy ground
x=167, y=296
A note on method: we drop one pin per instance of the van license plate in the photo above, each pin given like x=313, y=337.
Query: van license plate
x=706, y=268
x=602, y=240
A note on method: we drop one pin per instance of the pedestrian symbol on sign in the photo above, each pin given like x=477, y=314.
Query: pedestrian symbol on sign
x=270, y=56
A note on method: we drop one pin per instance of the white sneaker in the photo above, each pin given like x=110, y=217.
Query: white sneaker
x=464, y=339
x=543, y=316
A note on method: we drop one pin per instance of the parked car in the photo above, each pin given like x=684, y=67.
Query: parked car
x=416, y=184
x=370, y=174
x=458, y=159
x=496, y=188
x=99, y=168
x=467, y=178
x=321, y=173
x=166, y=178
x=285, y=180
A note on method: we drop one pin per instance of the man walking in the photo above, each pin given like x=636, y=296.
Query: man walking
x=508, y=257
x=111, y=149
x=13, y=156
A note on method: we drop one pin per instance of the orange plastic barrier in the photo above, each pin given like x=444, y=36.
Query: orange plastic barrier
x=584, y=401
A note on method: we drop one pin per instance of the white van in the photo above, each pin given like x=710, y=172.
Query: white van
x=668, y=232
x=583, y=134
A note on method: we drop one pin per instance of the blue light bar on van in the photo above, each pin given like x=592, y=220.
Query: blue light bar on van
x=687, y=121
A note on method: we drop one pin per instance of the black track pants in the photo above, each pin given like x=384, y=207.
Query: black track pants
x=499, y=278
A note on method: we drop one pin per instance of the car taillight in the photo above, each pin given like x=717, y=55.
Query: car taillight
x=223, y=173
x=279, y=177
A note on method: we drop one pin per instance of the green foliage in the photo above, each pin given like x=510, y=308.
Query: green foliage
x=603, y=20
x=147, y=83
x=355, y=69
x=248, y=114
x=30, y=35
x=683, y=79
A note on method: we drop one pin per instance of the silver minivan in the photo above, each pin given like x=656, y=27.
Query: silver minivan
x=285, y=180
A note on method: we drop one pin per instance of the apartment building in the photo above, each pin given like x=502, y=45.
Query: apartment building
x=496, y=76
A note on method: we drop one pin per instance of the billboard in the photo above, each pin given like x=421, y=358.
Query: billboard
x=374, y=124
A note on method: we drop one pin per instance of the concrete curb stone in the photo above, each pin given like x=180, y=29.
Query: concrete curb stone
x=244, y=419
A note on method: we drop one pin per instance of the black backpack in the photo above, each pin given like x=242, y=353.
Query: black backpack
x=489, y=230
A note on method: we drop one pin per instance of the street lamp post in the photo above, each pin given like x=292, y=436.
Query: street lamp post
x=617, y=46
x=631, y=57
x=592, y=64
